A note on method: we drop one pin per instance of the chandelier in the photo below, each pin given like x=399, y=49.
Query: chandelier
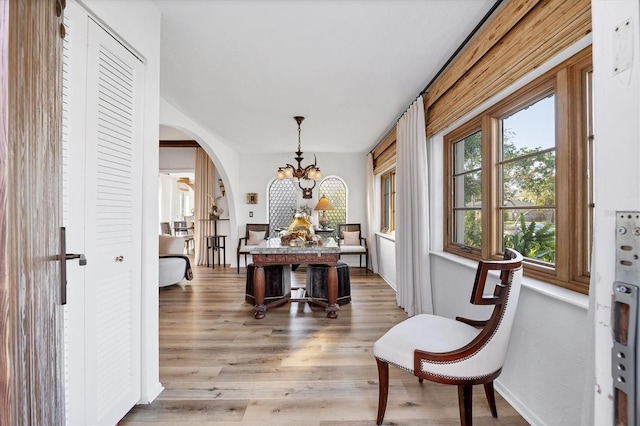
x=311, y=172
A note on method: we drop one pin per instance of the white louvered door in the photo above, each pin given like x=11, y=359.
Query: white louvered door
x=102, y=201
x=112, y=228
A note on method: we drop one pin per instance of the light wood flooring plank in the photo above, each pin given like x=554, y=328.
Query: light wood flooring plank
x=220, y=366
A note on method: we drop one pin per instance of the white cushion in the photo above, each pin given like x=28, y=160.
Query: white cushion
x=425, y=332
x=245, y=249
x=255, y=237
x=351, y=238
x=352, y=249
x=437, y=334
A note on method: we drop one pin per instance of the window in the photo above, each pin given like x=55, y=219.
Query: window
x=388, y=198
x=335, y=189
x=467, y=189
x=520, y=175
x=282, y=204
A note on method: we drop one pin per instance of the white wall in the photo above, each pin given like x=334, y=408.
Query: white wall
x=225, y=159
x=386, y=254
x=543, y=376
x=137, y=24
x=258, y=171
x=252, y=173
x=617, y=156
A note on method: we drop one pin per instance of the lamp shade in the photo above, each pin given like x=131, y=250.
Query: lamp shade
x=324, y=204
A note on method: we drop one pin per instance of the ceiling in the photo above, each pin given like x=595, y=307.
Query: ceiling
x=243, y=69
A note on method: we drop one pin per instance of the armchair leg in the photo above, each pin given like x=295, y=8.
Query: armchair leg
x=383, y=380
x=491, y=398
x=465, y=396
x=366, y=262
x=238, y=254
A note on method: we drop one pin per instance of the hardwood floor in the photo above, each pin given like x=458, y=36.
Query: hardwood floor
x=221, y=366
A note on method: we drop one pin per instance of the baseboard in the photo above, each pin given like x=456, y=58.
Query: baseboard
x=152, y=394
x=517, y=404
x=388, y=281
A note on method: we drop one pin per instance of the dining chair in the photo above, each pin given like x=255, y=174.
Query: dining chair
x=255, y=233
x=459, y=352
x=351, y=241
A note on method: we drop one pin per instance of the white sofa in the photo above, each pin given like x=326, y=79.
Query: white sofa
x=174, y=265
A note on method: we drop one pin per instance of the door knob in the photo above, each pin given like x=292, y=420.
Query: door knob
x=119, y=258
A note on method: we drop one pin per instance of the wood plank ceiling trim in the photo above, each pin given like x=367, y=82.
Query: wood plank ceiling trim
x=500, y=56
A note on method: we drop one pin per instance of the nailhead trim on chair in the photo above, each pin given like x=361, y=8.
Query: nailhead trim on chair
x=410, y=370
x=425, y=362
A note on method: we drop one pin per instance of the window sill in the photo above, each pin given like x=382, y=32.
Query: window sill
x=550, y=290
x=390, y=237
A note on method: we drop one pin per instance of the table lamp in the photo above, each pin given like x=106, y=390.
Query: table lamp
x=324, y=204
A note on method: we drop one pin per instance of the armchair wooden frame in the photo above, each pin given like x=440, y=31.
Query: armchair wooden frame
x=256, y=227
x=352, y=227
x=423, y=360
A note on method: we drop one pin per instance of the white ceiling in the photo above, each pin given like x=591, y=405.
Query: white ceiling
x=244, y=68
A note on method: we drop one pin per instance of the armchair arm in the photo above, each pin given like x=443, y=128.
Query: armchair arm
x=473, y=323
x=487, y=329
x=470, y=348
x=363, y=241
x=240, y=242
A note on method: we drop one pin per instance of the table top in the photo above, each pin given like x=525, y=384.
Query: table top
x=273, y=246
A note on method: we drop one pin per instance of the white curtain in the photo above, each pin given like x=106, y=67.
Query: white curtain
x=204, y=188
x=373, y=215
x=413, y=271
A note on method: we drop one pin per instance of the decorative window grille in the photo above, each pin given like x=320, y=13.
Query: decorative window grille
x=282, y=204
x=335, y=190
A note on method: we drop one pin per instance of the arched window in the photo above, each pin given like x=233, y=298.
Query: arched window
x=282, y=204
x=335, y=190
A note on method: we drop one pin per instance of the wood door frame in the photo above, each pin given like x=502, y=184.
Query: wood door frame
x=31, y=357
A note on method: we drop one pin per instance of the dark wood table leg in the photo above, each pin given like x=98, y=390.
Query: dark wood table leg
x=332, y=292
x=258, y=289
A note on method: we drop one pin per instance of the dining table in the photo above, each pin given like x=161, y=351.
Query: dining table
x=322, y=251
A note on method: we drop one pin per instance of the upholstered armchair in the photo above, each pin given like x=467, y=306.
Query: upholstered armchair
x=351, y=241
x=459, y=352
x=173, y=265
x=255, y=233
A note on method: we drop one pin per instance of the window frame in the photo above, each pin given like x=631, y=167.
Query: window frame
x=573, y=158
x=391, y=175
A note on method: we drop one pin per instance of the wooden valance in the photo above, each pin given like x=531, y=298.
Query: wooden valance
x=384, y=155
x=522, y=36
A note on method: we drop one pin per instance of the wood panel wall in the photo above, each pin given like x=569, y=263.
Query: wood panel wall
x=31, y=372
x=5, y=367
